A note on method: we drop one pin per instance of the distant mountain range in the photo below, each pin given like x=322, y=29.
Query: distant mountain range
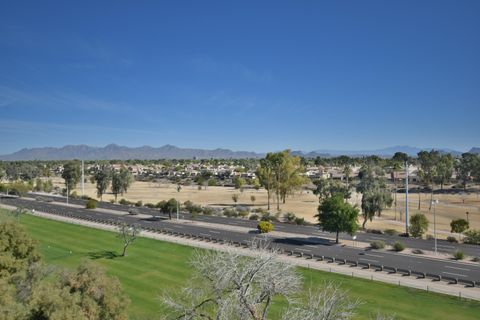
x=113, y=151
x=116, y=152
x=385, y=152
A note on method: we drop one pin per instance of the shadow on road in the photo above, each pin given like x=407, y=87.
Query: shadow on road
x=305, y=241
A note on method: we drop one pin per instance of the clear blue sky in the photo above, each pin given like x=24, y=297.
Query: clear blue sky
x=245, y=75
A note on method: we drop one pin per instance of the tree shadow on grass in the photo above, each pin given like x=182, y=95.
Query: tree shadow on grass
x=104, y=254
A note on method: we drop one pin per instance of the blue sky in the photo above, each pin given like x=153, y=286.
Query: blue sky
x=245, y=75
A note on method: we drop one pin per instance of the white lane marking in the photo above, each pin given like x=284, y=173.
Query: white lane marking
x=204, y=234
x=179, y=227
x=376, y=238
x=368, y=260
x=445, y=246
x=300, y=249
x=310, y=246
x=465, y=269
x=373, y=255
x=213, y=231
x=455, y=274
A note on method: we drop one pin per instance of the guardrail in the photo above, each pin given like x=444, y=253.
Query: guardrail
x=298, y=254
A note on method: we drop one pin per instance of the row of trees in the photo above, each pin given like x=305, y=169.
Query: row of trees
x=280, y=173
x=104, y=177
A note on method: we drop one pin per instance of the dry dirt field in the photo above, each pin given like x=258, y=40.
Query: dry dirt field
x=304, y=204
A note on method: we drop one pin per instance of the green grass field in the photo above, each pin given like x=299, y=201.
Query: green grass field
x=152, y=266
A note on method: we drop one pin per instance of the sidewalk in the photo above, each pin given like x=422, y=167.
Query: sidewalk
x=397, y=279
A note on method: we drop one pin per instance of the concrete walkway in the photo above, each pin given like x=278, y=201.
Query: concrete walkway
x=397, y=279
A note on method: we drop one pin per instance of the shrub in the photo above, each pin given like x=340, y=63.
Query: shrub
x=289, y=217
x=124, y=202
x=139, y=203
x=417, y=251
x=253, y=217
x=472, y=237
x=243, y=213
x=459, y=225
x=192, y=208
x=377, y=244
x=398, y=246
x=390, y=232
x=112, y=201
x=300, y=221
x=418, y=225
x=149, y=205
x=228, y=212
x=429, y=237
x=208, y=211
x=260, y=210
x=265, y=227
x=458, y=255
x=91, y=204
x=452, y=239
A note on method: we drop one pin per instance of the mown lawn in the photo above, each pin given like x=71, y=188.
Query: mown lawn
x=152, y=266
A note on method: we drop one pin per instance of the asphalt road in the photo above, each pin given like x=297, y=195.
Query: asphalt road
x=315, y=245
x=442, y=245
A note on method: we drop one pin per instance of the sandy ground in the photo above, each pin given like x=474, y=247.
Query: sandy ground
x=304, y=204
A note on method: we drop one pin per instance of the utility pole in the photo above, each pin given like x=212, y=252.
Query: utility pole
x=178, y=206
x=434, y=202
x=406, y=198
x=83, y=179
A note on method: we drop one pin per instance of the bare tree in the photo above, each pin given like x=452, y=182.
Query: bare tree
x=128, y=234
x=327, y=303
x=229, y=286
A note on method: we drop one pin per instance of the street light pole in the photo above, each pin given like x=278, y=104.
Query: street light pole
x=434, y=202
x=467, y=213
x=178, y=206
x=406, y=198
x=67, y=193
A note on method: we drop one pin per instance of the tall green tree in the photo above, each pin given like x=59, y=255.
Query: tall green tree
x=266, y=178
x=374, y=201
x=326, y=188
x=103, y=177
x=375, y=195
x=428, y=162
x=336, y=215
x=121, y=181
x=444, y=170
x=466, y=168
x=284, y=172
x=71, y=174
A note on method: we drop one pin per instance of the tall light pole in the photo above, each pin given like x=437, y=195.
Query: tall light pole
x=434, y=203
x=178, y=206
x=406, y=198
x=67, y=193
x=83, y=179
